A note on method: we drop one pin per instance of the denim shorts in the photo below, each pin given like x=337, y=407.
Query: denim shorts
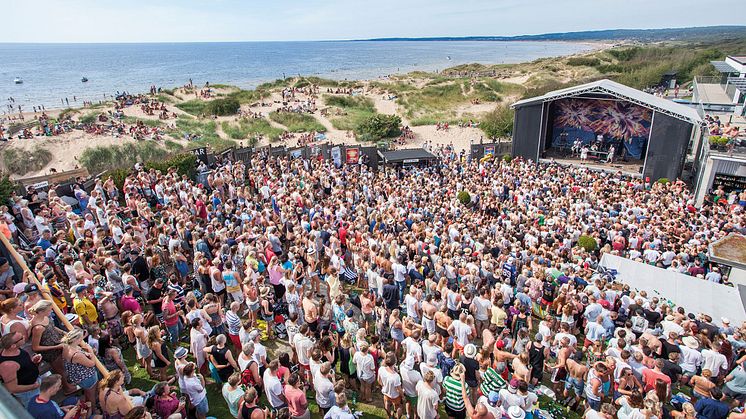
x=89, y=382
x=202, y=407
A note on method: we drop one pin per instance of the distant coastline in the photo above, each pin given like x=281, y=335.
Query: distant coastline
x=646, y=35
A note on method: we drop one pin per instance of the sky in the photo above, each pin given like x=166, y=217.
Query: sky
x=285, y=20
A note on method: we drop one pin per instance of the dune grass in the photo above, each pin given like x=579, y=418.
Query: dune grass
x=206, y=132
x=297, y=122
x=19, y=161
x=251, y=128
x=355, y=109
x=89, y=118
x=101, y=158
x=172, y=146
x=132, y=120
x=194, y=107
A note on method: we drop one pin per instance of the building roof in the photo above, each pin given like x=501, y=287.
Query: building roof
x=414, y=154
x=739, y=82
x=620, y=91
x=723, y=67
x=740, y=59
x=730, y=250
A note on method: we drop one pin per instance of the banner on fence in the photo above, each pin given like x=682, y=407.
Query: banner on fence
x=201, y=154
x=489, y=149
x=337, y=156
x=353, y=155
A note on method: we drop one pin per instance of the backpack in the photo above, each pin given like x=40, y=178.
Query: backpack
x=445, y=364
x=246, y=378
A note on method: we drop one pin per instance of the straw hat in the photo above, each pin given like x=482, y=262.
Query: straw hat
x=457, y=371
x=180, y=352
x=515, y=412
x=470, y=351
x=690, y=342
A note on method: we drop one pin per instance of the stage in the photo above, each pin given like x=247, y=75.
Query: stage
x=649, y=136
x=629, y=169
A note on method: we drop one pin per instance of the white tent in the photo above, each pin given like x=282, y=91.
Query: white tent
x=695, y=295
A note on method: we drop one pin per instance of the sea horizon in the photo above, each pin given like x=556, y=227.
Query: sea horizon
x=52, y=72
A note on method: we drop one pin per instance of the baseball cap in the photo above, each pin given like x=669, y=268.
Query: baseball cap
x=493, y=397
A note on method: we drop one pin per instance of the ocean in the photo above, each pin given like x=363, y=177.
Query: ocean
x=52, y=73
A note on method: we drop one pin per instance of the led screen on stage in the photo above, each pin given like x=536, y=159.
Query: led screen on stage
x=621, y=123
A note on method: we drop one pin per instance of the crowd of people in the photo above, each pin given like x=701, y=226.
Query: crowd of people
x=369, y=285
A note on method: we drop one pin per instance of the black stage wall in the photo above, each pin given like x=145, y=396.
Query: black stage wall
x=528, y=130
x=669, y=139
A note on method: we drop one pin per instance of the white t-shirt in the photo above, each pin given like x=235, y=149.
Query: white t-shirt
x=324, y=390
x=399, y=272
x=481, y=306
x=409, y=379
x=365, y=365
x=461, y=332
x=390, y=382
x=273, y=388
x=714, y=361
x=412, y=304
x=427, y=401
x=302, y=345
x=412, y=348
x=194, y=389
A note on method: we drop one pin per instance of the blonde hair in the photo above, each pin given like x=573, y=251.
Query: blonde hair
x=72, y=336
x=154, y=335
x=40, y=306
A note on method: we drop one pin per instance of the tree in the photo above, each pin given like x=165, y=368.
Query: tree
x=498, y=122
x=377, y=127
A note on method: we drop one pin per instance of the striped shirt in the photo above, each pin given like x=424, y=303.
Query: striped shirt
x=234, y=322
x=491, y=381
x=454, y=396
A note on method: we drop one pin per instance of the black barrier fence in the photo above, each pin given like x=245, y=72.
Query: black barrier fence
x=496, y=149
x=344, y=154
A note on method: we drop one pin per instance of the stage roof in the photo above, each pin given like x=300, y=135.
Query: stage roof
x=620, y=91
x=723, y=67
x=402, y=155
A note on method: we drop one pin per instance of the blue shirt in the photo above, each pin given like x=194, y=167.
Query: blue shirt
x=708, y=408
x=48, y=410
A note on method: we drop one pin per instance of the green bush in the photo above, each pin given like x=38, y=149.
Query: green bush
x=20, y=161
x=223, y=107
x=507, y=158
x=717, y=140
x=664, y=181
x=7, y=187
x=118, y=176
x=588, y=243
x=464, y=197
x=377, y=127
x=498, y=122
x=185, y=164
x=297, y=122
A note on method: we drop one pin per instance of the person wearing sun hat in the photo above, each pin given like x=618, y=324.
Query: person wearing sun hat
x=454, y=399
x=471, y=368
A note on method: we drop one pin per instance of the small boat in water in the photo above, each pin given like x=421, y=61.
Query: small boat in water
x=84, y=79
x=18, y=80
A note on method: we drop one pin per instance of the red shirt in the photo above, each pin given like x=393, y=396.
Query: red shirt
x=130, y=303
x=297, y=403
x=649, y=377
x=201, y=209
x=168, y=310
